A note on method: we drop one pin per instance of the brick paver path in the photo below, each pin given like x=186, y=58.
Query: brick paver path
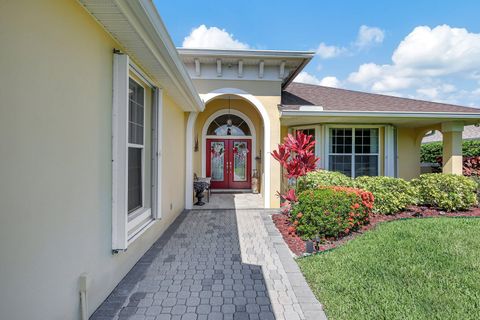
x=215, y=264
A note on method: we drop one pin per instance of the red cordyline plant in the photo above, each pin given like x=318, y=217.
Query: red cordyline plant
x=296, y=156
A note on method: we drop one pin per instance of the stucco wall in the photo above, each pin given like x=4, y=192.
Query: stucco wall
x=269, y=95
x=55, y=190
x=408, y=146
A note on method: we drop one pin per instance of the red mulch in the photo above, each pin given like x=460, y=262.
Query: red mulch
x=297, y=245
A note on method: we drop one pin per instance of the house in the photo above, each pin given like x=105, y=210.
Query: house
x=104, y=124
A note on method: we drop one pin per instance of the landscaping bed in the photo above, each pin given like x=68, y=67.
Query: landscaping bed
x=298, y=247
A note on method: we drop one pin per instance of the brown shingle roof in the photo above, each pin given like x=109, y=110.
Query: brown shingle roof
x=334, y=99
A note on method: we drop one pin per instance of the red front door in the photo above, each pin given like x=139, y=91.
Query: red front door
x=229, y=163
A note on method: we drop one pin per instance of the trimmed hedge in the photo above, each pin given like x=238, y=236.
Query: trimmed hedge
x=330, y=211
x=392, y=195
x=430, y=152
x=323, y=178
x=447, y=192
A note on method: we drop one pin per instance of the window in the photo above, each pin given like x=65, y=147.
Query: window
x=136, y=120
x=228, y=125
x=354, y=151
x=136, y=153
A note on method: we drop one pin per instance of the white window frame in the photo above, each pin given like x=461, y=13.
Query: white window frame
x=122, y=234
x=353, y=154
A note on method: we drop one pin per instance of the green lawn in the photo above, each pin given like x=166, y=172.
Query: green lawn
x=406, y=269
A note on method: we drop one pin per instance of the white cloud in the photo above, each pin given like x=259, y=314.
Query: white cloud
x=423, y=57
x=204, y=37
x=368, y=36
x=330, y=81
x=305, y=77
x=439, y=51
x=326, y=52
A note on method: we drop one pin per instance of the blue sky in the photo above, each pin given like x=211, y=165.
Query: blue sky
x=420, y=49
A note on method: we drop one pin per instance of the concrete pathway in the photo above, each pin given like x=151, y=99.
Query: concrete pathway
x=232, y=201
x=215, y=264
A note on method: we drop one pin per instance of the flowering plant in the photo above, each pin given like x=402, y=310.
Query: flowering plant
x=330, y=212
x=296, y=156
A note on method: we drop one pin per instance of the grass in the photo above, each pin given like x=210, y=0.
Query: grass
x=406, y=269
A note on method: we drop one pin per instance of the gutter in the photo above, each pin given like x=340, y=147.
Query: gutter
x=379, y=114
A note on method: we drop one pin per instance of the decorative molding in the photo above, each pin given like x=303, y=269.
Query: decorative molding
x=240, y=68
x=261, y=66
x=197, y=68
x=219, y=67
x=281, y=73
x=452, y=127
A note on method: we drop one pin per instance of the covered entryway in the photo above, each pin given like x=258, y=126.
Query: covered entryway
x=229, y=163
x=228, y=149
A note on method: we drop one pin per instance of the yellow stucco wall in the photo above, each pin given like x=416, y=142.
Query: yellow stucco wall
x=408, y=146
x=55, y=191
x=268, y=93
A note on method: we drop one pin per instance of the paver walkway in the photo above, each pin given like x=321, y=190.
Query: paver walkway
x=215, y=264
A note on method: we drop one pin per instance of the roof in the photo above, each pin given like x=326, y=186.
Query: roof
x=297, y=95
x=469, y=133
x=140, y=31
x=279, y=65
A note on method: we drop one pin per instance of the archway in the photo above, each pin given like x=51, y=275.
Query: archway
x=265, y=161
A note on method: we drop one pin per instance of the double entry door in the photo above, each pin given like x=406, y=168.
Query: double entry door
x=229, y=163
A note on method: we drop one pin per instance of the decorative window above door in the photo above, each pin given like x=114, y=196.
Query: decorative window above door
x=228, y=125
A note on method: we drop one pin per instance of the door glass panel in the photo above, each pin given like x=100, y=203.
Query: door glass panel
x=240, y=152
x=217, y=156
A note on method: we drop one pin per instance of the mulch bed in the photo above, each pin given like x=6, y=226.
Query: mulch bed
x=298, y=246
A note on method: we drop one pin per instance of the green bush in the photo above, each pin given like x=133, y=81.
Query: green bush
x=323, y=178
x=392, y=195
x=476, y=179
x=429, y=152
x=448, y=192
x=331, y=211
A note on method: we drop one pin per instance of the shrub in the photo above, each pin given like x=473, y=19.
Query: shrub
x=448, y=192
x=323, y=178
x=331, y=211
x=391, y=194
x=429, y=152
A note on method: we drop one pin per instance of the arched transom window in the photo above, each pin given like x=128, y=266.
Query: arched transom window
x=228, y=125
